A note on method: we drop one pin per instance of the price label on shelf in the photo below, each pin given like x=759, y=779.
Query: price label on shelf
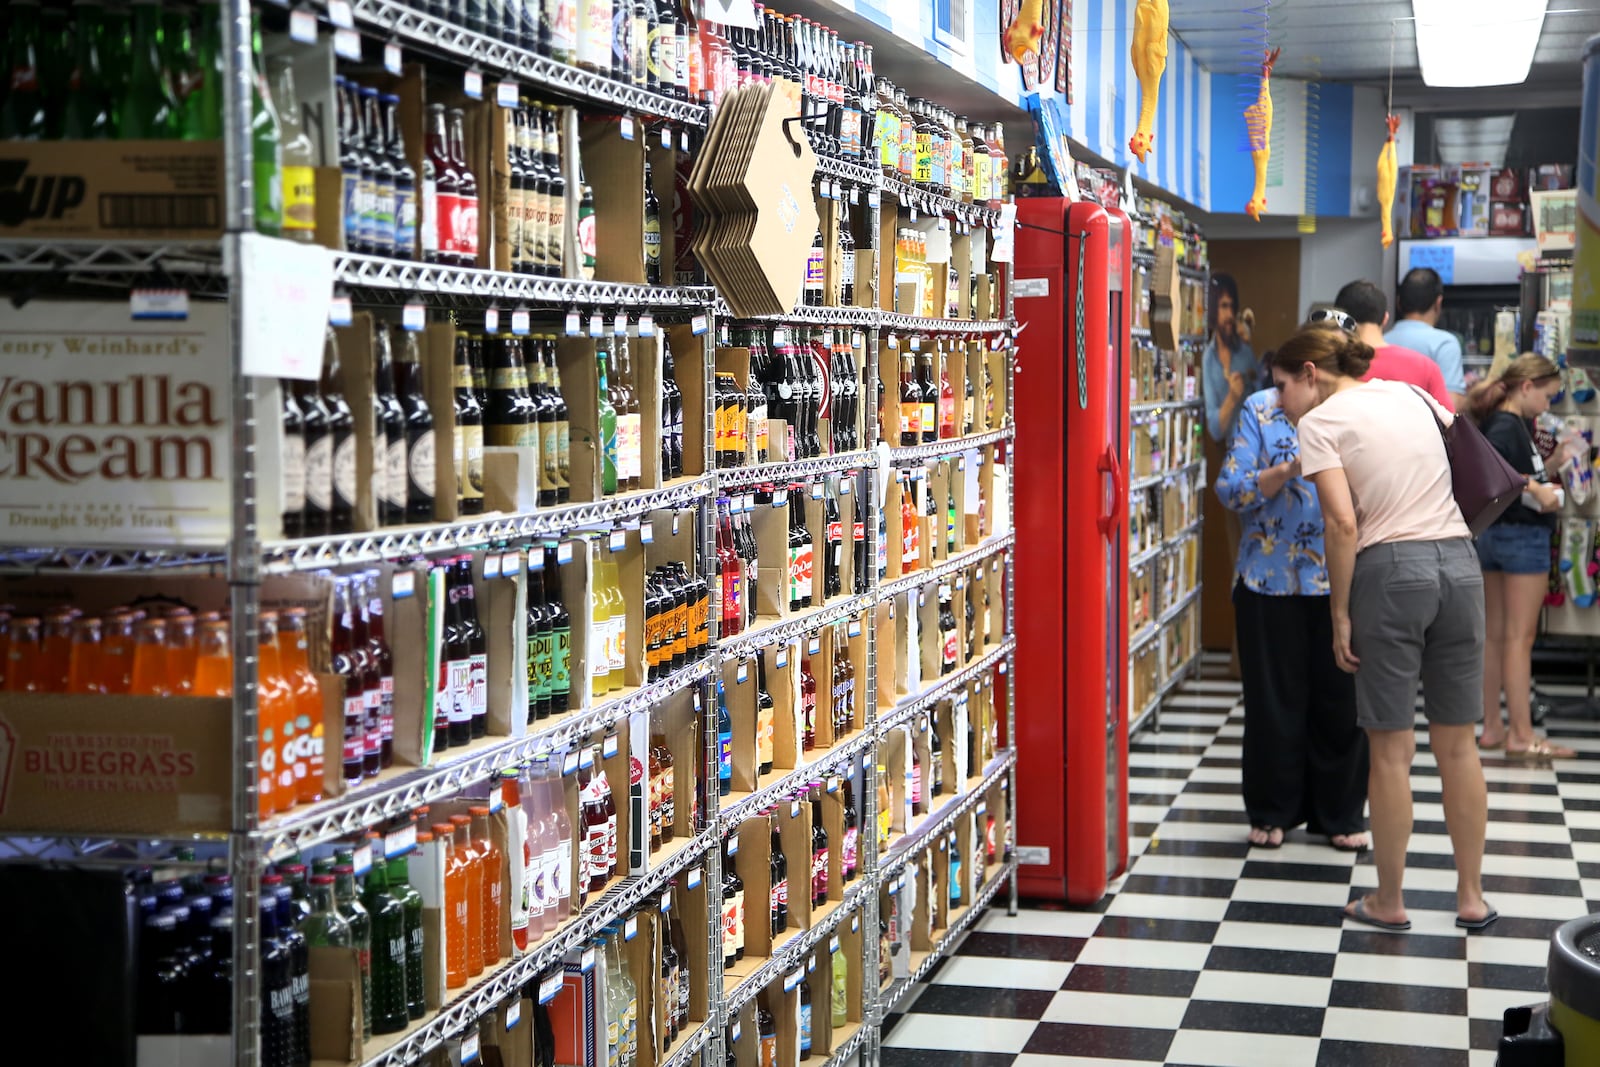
x=586, y=961
x=341, y=14
x=794, y=809
x=855, y=628
x=618, y=540
x=833, y=943
x=815, y=646
x=733, y=846
x=520, y=324
x=855, y=195
x=666, y=138
x=414, y=316
x=791, y=981
x=391, y=58
x=551, y=986
x=506, y=94
x=491, y=566
x=666, y=901
x=781, y=660
x=405, y=584
x=619, y=324
x=692, y=880
x=472, y=84
x=511, y=564
x=400, y=841
x=347, y=45
x=626, y=126
x=569, y=764
x=514, y=1012
x=698, y=325
x=491, y=321
x=742, y=674
x=303, y=26
x=574, y=325
x=469, y=1048
x=647, y=325
x=683, y=140
x=647, y=532
x=630, y=929
x=597, y=324
x=873, y=200
x=340, y=313
x=564, y=552
x=609, y=747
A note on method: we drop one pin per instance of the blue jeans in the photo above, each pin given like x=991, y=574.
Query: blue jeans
x=1515, y=548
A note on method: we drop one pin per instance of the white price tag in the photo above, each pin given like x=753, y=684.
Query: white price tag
x=855, y=628
x=414, y=316
x=782, y=658
x=469, y=1048
x=733, y=846
x=514, y=1012
x=833, y=943
x=491, y=566
x=391, y=58
x=550, y=987
x=586, y=963
x=619, y=324
x=491, y=321
x=630, y=929
x=692, y=881
x=814, y=647
x=506, y=94
x=347, y=45
x=363, y=860
x=794, y=809
x=400, y=841
x=666, y=138
x=510, y=564
x=791, y=981
x=564, y=552
x=569, y=764
x=683, y=140
x=872, y=198
x=286, y=288
x=597, y=324
x=626, y=126
x=574, y=324
x=608, y=749
x=340, y=313
x=647, y=325
x=519, y=322
x=341, y=15
x=647, y=533
x=472, y=84
x=742, y=674
x=405, y=584
x=171, y=305
x=303, y=26
x=617, y=541
x=855, y=195
x=698, y=325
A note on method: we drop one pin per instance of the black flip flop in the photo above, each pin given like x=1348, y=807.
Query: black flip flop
x=1477, y=924
x=1269, y=843
x=1359, y=914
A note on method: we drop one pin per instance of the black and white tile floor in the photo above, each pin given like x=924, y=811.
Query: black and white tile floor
x=1210, y=952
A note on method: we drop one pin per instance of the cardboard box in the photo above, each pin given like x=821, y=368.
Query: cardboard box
x=114, y=190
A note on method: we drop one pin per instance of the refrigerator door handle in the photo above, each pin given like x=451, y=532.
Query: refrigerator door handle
x=1116, y=493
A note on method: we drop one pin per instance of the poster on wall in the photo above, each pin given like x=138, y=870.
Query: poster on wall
x=113, y=431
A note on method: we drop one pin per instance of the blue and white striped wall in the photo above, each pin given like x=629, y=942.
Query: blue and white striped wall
x=1200, y=152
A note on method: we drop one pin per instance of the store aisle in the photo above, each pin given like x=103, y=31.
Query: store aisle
x=1210, y=952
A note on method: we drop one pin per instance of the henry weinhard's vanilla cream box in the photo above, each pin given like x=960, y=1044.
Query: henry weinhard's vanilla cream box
x=113, y=431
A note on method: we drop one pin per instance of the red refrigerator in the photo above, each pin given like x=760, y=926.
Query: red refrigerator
x=1073, y=284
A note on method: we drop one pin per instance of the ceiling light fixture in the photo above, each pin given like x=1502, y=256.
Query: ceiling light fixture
x=1469, y=43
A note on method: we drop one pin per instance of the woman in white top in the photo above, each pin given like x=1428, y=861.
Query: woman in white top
x=1406, y=596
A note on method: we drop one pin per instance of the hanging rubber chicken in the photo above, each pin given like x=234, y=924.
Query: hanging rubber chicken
x=1026, y=31
x=1388, y=174
x=1258, y=125
x=1149, y=53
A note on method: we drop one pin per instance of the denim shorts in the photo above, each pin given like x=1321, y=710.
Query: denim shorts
x=1515, y=548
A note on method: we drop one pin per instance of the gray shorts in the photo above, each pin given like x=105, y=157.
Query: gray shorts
x=1416, y=614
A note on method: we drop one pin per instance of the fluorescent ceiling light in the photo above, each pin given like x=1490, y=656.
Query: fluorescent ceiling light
x=1465, y=43
x=1474, y=140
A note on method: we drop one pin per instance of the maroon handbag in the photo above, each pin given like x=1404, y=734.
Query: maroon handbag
x=1484, y=483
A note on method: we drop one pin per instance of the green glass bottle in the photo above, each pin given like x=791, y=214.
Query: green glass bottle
x=22, y=113
x=115, y=54
x=325, y=927
x=608, y=432
x=360, y=920
x=202, y=104
x=411, y=904
x=55, y=66
x=266, y=143
x=147, y=110
x=177, y=57
x=388, y=951
x=86, y=115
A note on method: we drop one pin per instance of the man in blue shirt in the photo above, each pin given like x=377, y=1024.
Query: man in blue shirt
x=1420, y=302
x=1228, y=366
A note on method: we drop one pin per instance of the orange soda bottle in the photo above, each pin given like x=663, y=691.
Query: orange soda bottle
x=467, y=850
x=294, y=655
x=275, y=720
x=83, y=671
x=213, y=669
x=456, y=913
x=22, y=656
x=150, y=659
x=183, y=649
x=116, y=652
x=56, y=649
x=494, y=868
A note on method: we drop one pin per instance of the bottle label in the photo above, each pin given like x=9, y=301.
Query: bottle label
x=738, y=919
x=395, y=481
x=949, y=650
x=928, y=417
x=405, y=220
x=819, y=873
x=367, y=210
x=814, y=268
x=639, y=42
x=344, y=470
x=470, y=474
x=724, y=755
x=924, y=158
x=669, y=805
x=516, y=226
x=630, y=459
x=598, y=859
x=561, y=673
x=352, y=208
x=458, y=677
x=850, y=132
x=847, y=266
x=888, y=139
x=354, y=727
x=805, y=1029
x=430, y=216
x=955, y=881
x=769, y=1050
x=420, y=462
x=778, y=896
x=294, y=473
x=730, y=926
x=562, y=18
x=795, y=585
x=549, y=460
x=299, y=199
x=586, y=238
x=386, y=707
x=847, y=850
x=382, y=215
x=594, y=38
x=652, y=240
x=478, y=686
x=466, y=226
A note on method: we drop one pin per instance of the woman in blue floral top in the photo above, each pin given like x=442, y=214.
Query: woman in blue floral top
x=1305, y=761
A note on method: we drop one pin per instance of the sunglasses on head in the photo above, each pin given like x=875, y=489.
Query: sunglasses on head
x=1337, y=316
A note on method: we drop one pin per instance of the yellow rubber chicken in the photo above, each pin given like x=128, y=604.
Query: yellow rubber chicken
x=1149, y=54
x=1025, y=32
x=1388, y=175
x=1258, y=123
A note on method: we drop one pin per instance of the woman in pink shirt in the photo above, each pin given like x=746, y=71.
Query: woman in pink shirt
x=1406, y=595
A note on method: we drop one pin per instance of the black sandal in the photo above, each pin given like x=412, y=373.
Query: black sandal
x=1269, y=843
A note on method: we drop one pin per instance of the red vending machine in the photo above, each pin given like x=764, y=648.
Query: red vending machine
x=1073, y=281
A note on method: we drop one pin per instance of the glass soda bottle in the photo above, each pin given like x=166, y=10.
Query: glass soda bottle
x=293, y=654
x=276, y=722
x=389, y=951
x=473, y=862
x=149, y=658
x=213, y=670
x=349, y=662
x=493, y=907
x=360, y=923
x=457, y=912
x=399, y=883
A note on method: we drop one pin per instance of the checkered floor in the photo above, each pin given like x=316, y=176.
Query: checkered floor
x=1209, y=952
